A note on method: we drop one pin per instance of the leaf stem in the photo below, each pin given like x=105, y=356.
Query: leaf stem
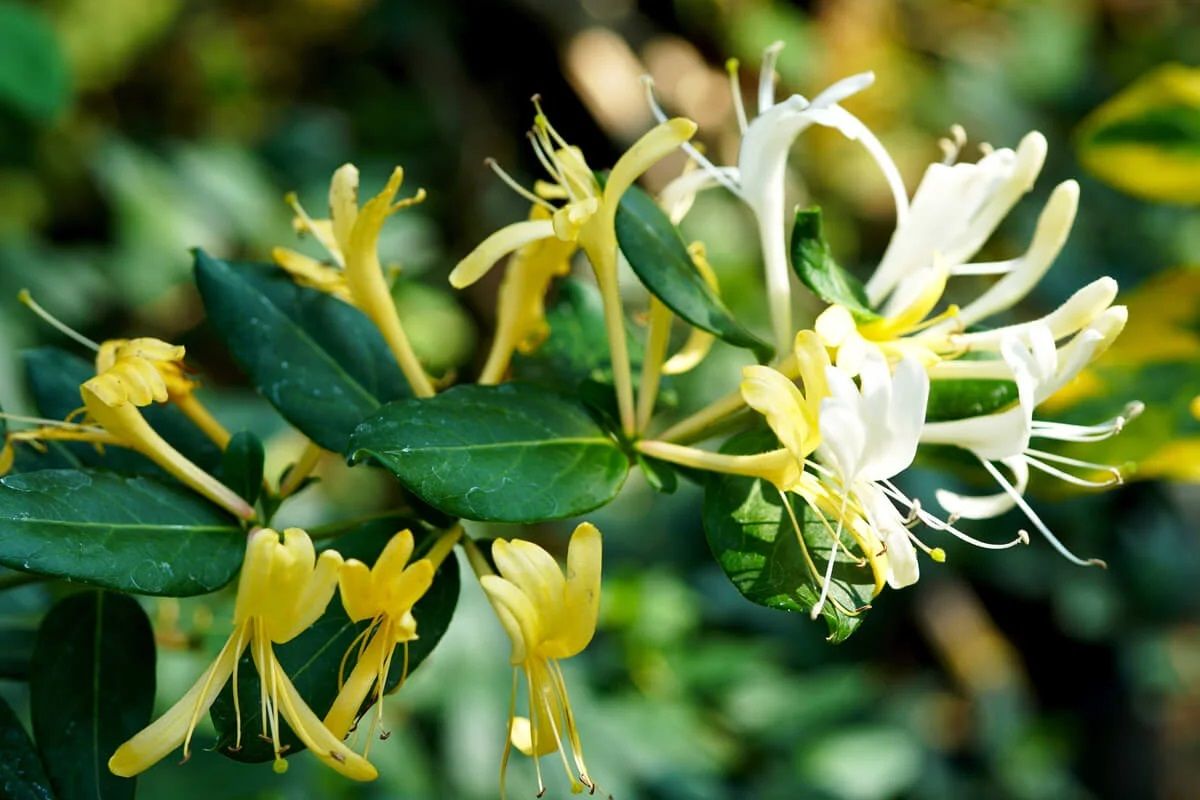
x=444, y=546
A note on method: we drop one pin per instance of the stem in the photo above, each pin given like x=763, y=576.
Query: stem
x=300, y=470
x=772, y=465
x=398, y=343
x=605, y=266
x=475, y=557
x=203, y=419
x=656, y=350
x=444, y=546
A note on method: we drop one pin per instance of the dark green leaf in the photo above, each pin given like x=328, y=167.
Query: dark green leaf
x=509, y=453
x=318, y=360
x=34, y=80
x=957, y=399
x=134, y=534
x=54, y=377
x=814, y=263
x=313, y=658
x=752, y=537
x=22, y=776
x=242, y=466
x=16, y=648
x=92, y=688
x=659, y=474
x=655, y=250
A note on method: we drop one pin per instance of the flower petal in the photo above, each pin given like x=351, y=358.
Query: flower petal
x=499, y=244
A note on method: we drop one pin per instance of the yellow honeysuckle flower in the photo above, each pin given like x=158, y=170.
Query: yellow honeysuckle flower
x=132, y=379
x=384, y=594
x=351, y=236
x=282, y=590
x=521, y=305
x=548, y=617
x=586, y=218
x=699, y=342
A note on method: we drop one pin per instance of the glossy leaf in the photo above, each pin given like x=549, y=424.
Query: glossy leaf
x=92, y=687
x=509, y=453
x=655, y=250
x=134, y=534
x=312, y=659
x=242, y=466
x=54, y=377
x=813, y=261
x=752, y=538
x=22, y=776
x=957, y=399
x=318, y=360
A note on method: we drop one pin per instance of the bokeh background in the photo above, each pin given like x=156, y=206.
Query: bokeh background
x=131, y=131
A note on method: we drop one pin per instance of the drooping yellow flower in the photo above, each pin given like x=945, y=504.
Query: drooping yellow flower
x=282, y=590
x=587, y=217
x=548, y=617
x=521, y=305
x=351, y=237
x=132, y=378
x=384, y=594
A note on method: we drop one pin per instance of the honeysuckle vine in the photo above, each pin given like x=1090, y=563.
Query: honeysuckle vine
x=566, y=401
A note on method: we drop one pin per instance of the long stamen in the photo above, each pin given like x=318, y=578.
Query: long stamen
x=1037, y=522
x=1038, y=458
x=1088, y=433
x=310, y=226
x=766, y=77
x=237, y=700
x=512, y=714
x=569, y=717
x=27, y=300
x=735, y=91
x=533, y=731
x=719, y=175
x=816, y=609
x=50, y=423
x=932, y=521
x=544, y=151
x=195, y=717
x=952, y=145
x=511, y=183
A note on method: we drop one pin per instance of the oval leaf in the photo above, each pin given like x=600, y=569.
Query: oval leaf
x=958, y=399
x=92, y=688
x=129, y=533
x=509, y=453
x=813, y=261
x=655, y=250
x=22, y=776
x=752, y=537
x=318, y=360
x=312, y=660
x=242, y=466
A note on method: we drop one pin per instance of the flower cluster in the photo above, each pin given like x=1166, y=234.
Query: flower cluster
x=890, y=365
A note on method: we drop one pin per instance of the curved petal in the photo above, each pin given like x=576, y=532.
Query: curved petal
x=504, y=241
x=652, y=147
x=581, y=606
x=343, y=204
x=990, y=505
x=357, y=590
x=771, y=394
x=1079, y=310
x=516, y=613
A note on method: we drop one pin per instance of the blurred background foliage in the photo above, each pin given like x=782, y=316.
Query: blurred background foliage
x=131, y=131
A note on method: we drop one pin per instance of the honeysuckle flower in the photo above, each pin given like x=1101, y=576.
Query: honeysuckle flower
x=549, y=617
x=1005, y=438
x=383, y=594
x=282, y=590
x=586, y=217
x=133, y=378
x=759, y=179
x=521, y=303
x=350, y=236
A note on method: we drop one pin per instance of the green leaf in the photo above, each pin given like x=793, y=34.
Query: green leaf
x=752, y=538
x=16, y=648
x=659, y=474
x=318, y=360
x=22, y=776
x=313, y=658
x=34, y=80
x=813, y=261
x=242, y=466
x=577, y=348
x=655, y=250
x=92, y=687
x=509, y=453
x=134, y=534
x=54, y=377
x=958, y=399
x=1146, y=139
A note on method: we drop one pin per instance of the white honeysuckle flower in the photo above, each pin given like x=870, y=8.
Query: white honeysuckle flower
x=759, y=178
x=1040, y=369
